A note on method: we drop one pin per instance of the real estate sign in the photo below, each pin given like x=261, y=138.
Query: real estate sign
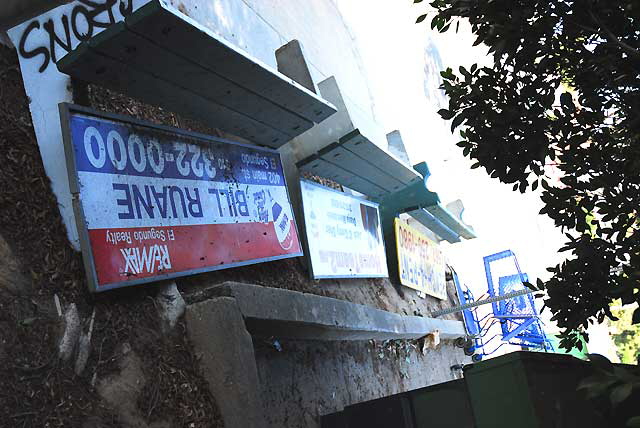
x=421, y=263
x=343, y=234
x=155, y=202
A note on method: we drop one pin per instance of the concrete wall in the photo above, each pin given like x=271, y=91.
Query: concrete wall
x=262, y=26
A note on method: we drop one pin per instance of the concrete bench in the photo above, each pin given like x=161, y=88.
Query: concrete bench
x=294, y=315
x=165, y=58
x=222, y=319
x=359, y=164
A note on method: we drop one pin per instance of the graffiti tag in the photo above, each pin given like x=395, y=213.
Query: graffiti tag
x=85, y=19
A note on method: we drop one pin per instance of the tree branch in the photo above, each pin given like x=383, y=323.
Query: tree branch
x=611, y=37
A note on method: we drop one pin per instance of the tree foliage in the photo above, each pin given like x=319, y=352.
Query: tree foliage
x=563, y=90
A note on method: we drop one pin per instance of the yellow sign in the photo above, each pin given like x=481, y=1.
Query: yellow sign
x=421, y=264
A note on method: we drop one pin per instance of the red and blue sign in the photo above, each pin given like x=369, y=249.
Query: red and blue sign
x=154, y=202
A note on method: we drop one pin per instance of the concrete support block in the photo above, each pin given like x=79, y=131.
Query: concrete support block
x=292, y=63
x=396, y=147
x=217, y=330
x=456, y=208
x=294, y=315
x=348, y=118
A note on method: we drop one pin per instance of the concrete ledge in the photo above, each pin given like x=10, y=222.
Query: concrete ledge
x=294, y=315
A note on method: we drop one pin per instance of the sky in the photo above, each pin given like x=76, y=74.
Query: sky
x=401, y=61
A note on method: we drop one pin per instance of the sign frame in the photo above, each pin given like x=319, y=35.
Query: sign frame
x=398, y=224
x=66, y=111
x=306, y=239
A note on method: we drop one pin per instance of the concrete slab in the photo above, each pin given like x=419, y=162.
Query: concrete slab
x=216, y=329
x=292, y=63
x=294, y=315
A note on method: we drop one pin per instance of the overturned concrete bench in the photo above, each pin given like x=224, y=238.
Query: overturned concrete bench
x=164, y=58
x=293, y=315
x=222, y=318
x=357, y=163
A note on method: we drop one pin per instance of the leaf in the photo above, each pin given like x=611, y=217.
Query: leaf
x=456, y=122
x=529, y=285
x=417, y=1
x=421, y=18
x=601, y=362
x=595, y=383
x=636, y=316
x=445, y=114
x=28, y=321
x=523, y=186
x=567, y=101
x=634, y=422
x=625, y=375
x=628, y=298
x=620, y=393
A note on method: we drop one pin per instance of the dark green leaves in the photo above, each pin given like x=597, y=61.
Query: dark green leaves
x=620, y=393
x=421, y=18
x=584, y=152
x=445, y=114
x=634, y=422
x=440, y=23
x=601, y=362
x=457, y=122
x=567, y=102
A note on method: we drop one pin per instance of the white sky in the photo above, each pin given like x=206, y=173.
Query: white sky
x=392, y=48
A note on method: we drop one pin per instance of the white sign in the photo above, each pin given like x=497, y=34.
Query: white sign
x=40, y=43
x=343, y=234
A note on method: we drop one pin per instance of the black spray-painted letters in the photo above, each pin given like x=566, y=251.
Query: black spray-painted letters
x=78, y=26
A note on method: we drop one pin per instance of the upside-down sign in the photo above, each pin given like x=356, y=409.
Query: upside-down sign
x=421, y=263
x=155, y=202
